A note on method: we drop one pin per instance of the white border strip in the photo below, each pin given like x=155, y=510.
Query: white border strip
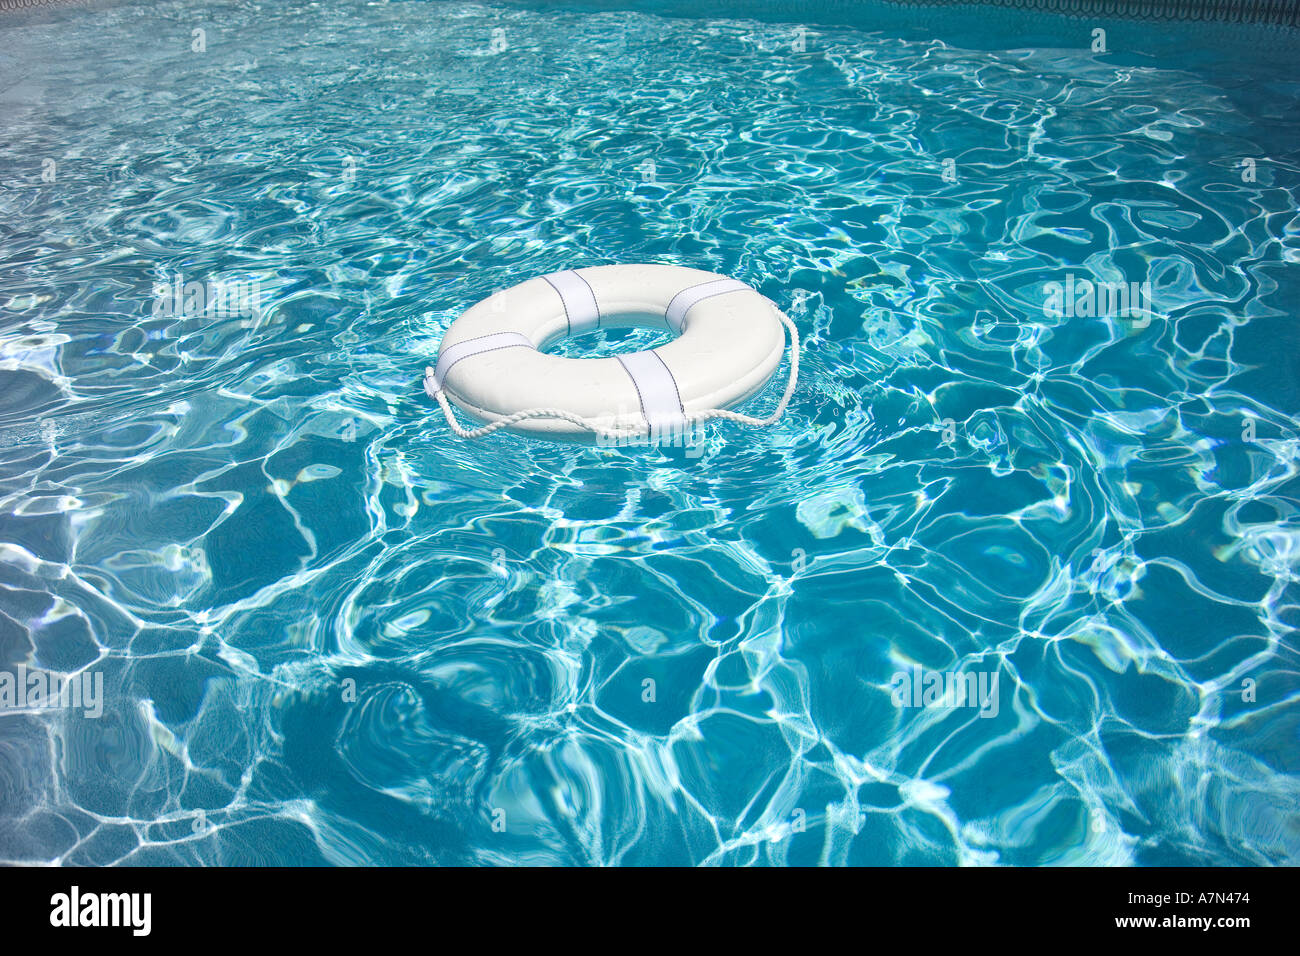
x=687, y=299
x=463, y=350
x=661, y=403
x=578, y=299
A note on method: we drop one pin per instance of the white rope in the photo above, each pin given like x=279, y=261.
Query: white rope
x=692, y=418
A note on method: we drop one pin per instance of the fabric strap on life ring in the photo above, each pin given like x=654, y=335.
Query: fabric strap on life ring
x=579, y=300
x=661, y=402
x=690, y=297
x=484, y=343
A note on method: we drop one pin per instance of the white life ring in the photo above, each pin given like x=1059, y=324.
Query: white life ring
x=729, y=342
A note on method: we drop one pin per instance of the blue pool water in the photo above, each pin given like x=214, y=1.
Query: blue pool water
x=328, y=631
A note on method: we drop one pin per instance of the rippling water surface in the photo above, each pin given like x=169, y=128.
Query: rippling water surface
x=328, y=631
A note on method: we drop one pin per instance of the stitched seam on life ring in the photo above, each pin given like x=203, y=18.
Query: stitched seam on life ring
x=711, y=295
x=639, y=397
x=485, y=335
x=668, y=311
x=568, y=323
x=495, y=348
x=672, y=378
x=593, y=297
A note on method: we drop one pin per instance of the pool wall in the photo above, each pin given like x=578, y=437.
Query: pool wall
x=1137, y=33
x=1283, y=12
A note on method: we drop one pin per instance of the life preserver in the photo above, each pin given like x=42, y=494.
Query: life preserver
x=729, y=342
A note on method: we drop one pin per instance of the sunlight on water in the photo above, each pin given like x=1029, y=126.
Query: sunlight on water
x=1014, y=580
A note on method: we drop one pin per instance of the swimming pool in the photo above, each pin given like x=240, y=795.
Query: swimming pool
x=1014, y=581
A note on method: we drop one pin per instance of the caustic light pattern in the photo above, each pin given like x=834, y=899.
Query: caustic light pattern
x=1014, y=581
